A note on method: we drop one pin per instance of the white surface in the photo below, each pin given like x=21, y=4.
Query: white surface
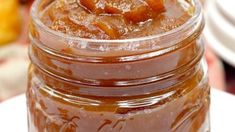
x=227, y=6
x=13, y=116
x=222, y=112
x=13, y=77
x=220, y=28
x=13, y=113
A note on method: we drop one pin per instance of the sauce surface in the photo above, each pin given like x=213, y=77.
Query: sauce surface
x=115, y=19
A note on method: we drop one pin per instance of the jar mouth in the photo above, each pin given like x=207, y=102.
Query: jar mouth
x=189, y=23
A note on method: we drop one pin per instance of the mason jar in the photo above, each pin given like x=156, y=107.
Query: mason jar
x=155, y=83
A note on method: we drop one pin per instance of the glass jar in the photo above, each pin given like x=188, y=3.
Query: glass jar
x=155, y=83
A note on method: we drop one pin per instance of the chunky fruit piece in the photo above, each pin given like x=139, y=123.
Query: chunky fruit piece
x=94, y=6
x=89, y=4
x=121, y=5
x=111, y=9
x=156, y=5
x=58, y=11
x=108, y=28
x=81, y=17
x=138, y=14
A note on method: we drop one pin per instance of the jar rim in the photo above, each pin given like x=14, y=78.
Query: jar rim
x=189, y=23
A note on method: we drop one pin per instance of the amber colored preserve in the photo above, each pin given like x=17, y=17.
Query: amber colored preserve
x=117, y=66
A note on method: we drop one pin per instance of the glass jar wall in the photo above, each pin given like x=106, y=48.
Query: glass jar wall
x=153, y=83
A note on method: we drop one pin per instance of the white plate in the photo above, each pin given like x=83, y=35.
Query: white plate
x=222, y=50
x=13, y=116
x=220, y=30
